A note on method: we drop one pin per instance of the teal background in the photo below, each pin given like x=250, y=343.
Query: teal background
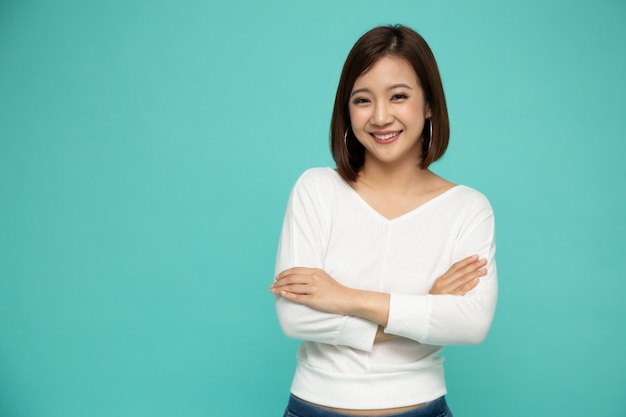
x=148, y=148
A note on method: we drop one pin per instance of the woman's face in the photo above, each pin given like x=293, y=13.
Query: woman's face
x=387, y=112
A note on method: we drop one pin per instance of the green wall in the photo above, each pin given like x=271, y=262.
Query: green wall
x=147, y=149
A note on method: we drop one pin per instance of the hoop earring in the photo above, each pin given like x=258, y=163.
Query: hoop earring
x=430, y=139
x=345, y=141
x=427, y=142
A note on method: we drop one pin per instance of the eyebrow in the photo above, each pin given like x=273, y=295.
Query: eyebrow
x=366, y=90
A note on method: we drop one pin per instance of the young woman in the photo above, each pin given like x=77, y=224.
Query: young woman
x=381, y=262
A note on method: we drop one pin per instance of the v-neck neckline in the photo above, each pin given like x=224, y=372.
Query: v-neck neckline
x=401, y=217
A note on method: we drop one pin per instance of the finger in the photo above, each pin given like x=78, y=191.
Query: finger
x=464, y=262
x=284, y=274
x=461, y=274
x=296, y=270
x=467, y=270
x=470, y=278
x=292, y=288
x=298, y=298
x=295, y=275
x=291, y=280
x=458, y=266
x=464, y=289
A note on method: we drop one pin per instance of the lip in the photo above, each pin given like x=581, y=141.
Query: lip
x=376, y=135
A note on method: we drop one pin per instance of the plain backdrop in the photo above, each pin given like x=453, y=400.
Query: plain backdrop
x=147, y=150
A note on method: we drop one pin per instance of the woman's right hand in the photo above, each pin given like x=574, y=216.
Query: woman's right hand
x=461, y=278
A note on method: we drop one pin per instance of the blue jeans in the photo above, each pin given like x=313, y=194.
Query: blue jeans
x=299, y=408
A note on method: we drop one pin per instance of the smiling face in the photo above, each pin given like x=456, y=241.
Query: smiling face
x=388, y=111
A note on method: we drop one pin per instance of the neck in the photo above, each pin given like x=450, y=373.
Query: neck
x=400, y=178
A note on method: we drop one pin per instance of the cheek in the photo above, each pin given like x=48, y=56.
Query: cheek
x=414, y=113
x=358, y=117
x=415, y=108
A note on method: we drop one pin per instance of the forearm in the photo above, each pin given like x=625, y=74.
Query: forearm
x=368, y=305
x=302, y=322
x=372, y=306
x=444, y=319
x=381, y=336
x=313, y=306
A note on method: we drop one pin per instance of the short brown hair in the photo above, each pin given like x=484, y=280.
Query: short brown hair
x=398, y=41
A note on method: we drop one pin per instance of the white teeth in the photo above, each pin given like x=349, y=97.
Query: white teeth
x=385, y=137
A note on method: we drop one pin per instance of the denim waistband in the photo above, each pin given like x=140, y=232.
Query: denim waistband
x=299, y=408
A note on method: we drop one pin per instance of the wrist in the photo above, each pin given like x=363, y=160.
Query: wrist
x=369, y=305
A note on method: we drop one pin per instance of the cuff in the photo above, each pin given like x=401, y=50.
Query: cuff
x=358, y=333
x=409, y=316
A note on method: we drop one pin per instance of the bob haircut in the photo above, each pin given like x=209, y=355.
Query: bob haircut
x=396, y=41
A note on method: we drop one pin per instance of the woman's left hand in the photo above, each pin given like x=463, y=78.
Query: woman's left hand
x=312, y=287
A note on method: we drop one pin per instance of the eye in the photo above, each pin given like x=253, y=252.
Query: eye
x=399, y=97
x=360, y=100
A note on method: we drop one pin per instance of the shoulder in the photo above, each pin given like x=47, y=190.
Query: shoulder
x=314, y=193
x=320, y=174
x=318, y=178
x=469, y=193
x=471, y=198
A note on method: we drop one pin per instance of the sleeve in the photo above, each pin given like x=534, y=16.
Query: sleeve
x=453, y=319
x=303, y=243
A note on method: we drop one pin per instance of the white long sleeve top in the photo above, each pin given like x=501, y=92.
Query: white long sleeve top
x=328, y=225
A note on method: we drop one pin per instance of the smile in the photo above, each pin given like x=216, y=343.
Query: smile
x=386, y=136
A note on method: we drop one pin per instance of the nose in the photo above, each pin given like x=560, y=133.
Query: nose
x=382, y=114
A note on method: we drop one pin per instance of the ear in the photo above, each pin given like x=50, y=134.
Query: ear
x=427, y=112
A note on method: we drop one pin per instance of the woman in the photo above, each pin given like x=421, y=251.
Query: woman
x=381, y=262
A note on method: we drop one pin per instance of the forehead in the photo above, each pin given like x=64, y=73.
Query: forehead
x=388, y=70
